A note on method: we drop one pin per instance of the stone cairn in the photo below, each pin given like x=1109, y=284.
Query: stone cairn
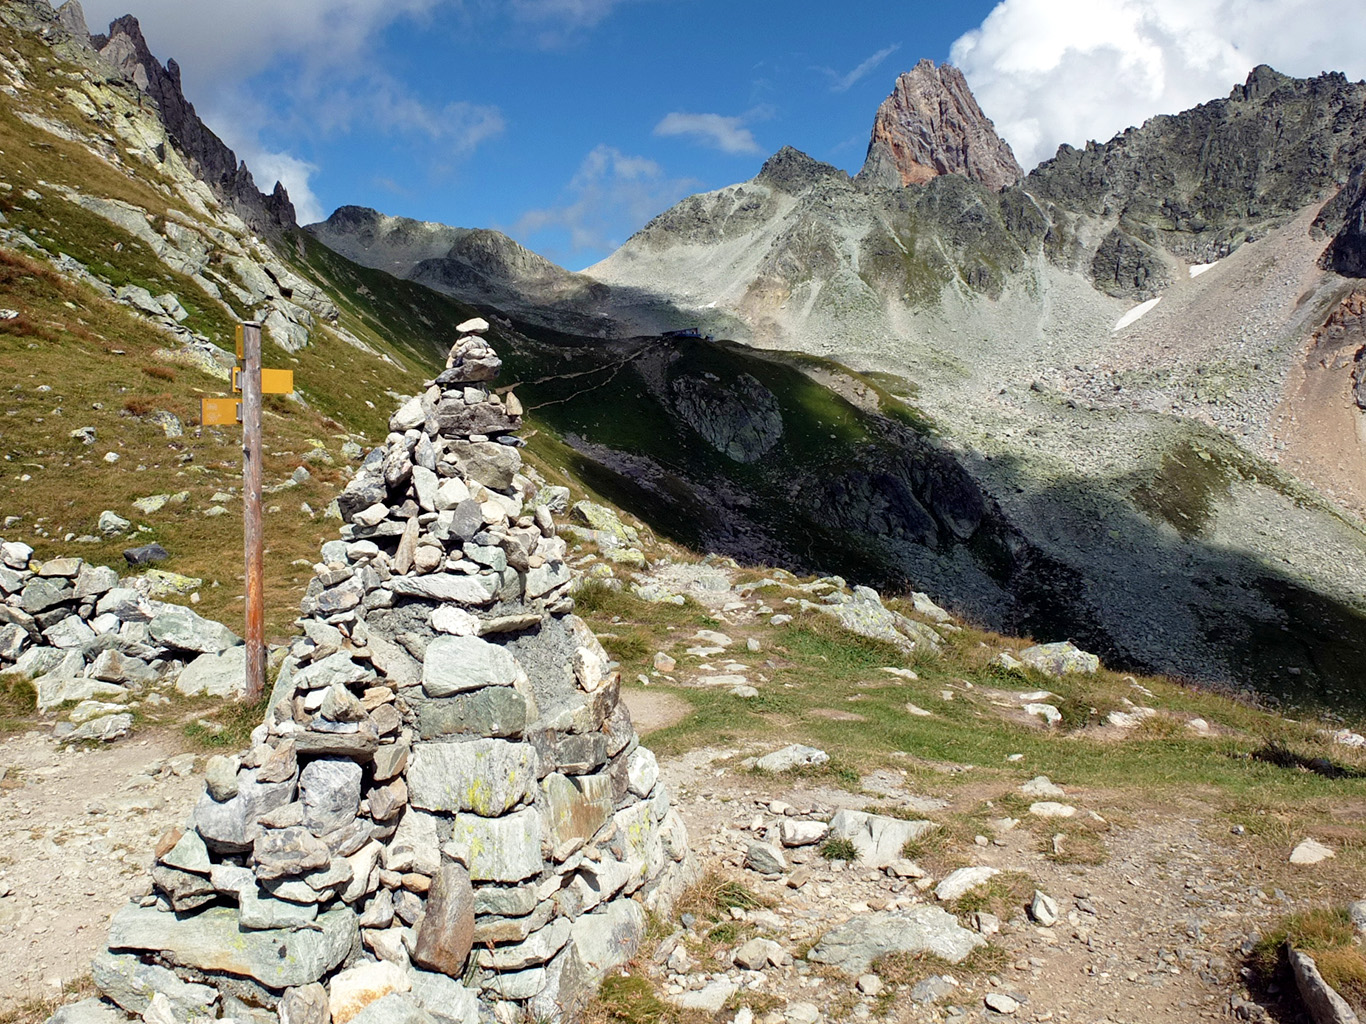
x=447, y=815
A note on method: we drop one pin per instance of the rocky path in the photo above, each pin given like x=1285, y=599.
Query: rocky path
x=1156, y=933
x=1153, y=934
x=77, y=830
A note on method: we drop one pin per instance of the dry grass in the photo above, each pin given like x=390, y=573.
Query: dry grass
x=905, y=969
x=38, y=1009
x=18, y=702
x=627, y=997
x=1327, y=935
x=714, y=894
x=1004, y=895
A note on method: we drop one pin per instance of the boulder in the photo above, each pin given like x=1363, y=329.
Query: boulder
x=395, y=1008
x=216, y=674
x=455, y=664
x=1310, y=851
x=288, y=853
x=444, y=998
x=853, y=946
x=609, y=937
x=330, y=791
x=146, y=554
x=352, y=990
x=1325, y=1005
x=494, y=711
x=1059, y=659
x=576, y=806
x=447, y=933
x=131, y=984
x=765, y=859
x=179, y=627
x=486, y=776
x=877, y=838
x=959, y=882
x=306, y=1004
x=793, y=756
x=506, y=849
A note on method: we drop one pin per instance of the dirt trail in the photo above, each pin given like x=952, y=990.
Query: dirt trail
x=77, y=829
x=1152, y=935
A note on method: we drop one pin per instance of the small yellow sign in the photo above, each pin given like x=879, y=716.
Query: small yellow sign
x=273, y=382
x=239, y=341
x=219, y=411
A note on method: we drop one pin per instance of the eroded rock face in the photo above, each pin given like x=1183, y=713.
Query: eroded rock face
x=739, y=418
x=931, y=125
x=207, y=154
x=442, y=743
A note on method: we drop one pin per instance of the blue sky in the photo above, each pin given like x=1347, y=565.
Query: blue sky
x=569, y=123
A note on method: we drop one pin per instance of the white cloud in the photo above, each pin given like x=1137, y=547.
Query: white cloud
x=1055, y=71
x=728, y=134
x=609, y=198
x=328, y=75
x=843, y=83
x=218, y=42
x=267, y=168
x=569, y=13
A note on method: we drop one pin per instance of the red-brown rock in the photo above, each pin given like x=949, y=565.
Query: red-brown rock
x=447, y=933
x=931, y=125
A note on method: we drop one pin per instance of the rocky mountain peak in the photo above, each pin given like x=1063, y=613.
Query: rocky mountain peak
x=791, y=170
x=125, y=47
x=71, y=16
x=931, y=125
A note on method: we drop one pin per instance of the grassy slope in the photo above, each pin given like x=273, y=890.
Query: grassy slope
x=598, y=394
x=74, y=359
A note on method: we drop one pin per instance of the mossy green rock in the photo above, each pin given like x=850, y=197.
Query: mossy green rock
x=489, y=777
x=215, y=941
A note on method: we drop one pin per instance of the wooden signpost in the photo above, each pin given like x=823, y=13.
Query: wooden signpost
x=252, y=382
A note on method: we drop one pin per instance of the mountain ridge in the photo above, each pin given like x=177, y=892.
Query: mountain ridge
x=124, y=48
x=998, y=454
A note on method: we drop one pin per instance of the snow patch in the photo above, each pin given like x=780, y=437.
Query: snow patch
x=1197, y=269
x=1135, y=313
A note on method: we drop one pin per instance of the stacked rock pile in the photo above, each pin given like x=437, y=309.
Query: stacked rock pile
x=83, y=634
x=447, y=813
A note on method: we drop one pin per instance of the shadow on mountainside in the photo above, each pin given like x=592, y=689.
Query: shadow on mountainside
x=682, y=434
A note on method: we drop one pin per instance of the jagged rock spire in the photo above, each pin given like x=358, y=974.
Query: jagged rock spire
x=931, y=125
x=206, y=154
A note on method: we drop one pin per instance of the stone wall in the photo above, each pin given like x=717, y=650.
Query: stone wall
x=447, y=813
x=105, y=644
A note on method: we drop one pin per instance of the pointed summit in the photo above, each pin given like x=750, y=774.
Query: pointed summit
x=931, y=125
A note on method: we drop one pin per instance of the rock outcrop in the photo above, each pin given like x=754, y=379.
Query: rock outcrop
x=1344, y=216
x=208, y=156
x=447, y=808
x=931, y=125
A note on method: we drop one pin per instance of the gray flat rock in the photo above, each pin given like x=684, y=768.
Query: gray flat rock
x=214, y=941
x=853, y=946
x=126, y=980
x=488, y=777
x=877, y=838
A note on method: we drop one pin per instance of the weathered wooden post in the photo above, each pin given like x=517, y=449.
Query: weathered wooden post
x=253, y=540
x=251, y=380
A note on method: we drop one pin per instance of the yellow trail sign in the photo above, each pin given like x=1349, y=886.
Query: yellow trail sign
x=219, y=411
x=273, y=382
